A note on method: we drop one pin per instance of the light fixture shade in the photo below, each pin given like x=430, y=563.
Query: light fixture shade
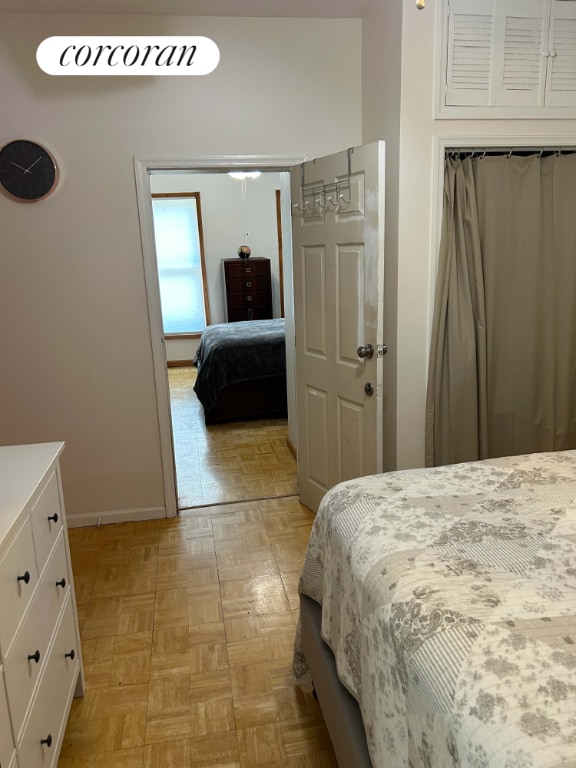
x=244, y=174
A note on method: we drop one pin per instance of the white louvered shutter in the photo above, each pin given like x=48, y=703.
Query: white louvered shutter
x=520, y=45
x=561, y=81
x=469, y=63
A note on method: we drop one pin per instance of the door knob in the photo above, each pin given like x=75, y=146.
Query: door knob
x=367, y=351
x=369, y=389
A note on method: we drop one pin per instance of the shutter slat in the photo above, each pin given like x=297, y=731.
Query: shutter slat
x=522, y=71
x=469, y=76
x=563, y=77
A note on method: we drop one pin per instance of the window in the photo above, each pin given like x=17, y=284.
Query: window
x=180, y=257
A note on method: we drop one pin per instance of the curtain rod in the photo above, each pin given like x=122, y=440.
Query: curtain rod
x=483, y=151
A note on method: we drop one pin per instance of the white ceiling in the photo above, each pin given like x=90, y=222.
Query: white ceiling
x=322, y=9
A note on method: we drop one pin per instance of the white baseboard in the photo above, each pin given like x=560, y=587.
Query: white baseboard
x=115, y=516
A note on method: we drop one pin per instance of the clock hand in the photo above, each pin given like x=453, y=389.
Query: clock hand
x=33, y=164
x=26, y=170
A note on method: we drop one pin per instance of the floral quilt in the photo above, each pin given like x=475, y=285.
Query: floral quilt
x=449, y=600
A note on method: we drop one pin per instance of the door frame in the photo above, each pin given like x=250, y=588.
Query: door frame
x=142, y=169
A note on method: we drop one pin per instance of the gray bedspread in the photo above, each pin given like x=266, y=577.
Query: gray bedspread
x=449, y=600
x=233, y=352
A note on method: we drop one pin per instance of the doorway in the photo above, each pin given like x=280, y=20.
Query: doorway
x=144, y=169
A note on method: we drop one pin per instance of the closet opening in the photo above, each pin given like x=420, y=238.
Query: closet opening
x=502, y=354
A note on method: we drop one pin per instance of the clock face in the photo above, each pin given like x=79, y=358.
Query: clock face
x=27, y=170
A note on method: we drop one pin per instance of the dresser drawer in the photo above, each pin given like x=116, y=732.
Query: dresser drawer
x=46, y=521
x=27, y=658
x=50, y=709
x=250, y=299
x=247, y=284
x=18, y=577
x=259, y=312
x=6, y=743
x=244, y=267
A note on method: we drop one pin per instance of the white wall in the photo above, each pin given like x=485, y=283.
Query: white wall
x=74, y=335
x=381, y=84
x=419, y=199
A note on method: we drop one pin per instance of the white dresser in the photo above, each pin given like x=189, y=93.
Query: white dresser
x=40, y=656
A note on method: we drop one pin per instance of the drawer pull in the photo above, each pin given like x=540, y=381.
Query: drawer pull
x=53, y=518
x=47, y=740
x=25, y=578
x=248, y=298
x=248, y=270
x=249, y=284
x=70, y=655
x=61, y=583
x=34, y=656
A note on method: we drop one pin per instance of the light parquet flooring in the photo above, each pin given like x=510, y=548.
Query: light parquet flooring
x=225, y=462
x=187, y=633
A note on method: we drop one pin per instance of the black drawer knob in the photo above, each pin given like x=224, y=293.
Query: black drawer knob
x=34, y=656
x=61, y=583
x=248, y=298
x=70, y=655
x=25, y=578
x=47, y=740
x=53, y=518
x=249, y=284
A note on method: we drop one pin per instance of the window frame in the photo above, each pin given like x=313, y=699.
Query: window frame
x=196, y=196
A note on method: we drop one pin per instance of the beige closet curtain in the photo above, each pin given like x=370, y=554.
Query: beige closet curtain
x=502, y=377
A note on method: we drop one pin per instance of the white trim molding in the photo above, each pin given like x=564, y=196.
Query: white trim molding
x=115, y=516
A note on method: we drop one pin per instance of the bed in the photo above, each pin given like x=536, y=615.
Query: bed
x=445, y=599
x=242, y=371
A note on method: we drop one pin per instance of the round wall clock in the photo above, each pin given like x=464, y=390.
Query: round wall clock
x=27, y=170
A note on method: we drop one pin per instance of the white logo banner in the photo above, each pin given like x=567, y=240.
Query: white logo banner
x=120, y=55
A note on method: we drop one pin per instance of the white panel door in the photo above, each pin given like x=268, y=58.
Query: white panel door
x=338, y=252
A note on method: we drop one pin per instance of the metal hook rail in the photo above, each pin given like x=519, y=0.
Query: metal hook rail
x=324, y=197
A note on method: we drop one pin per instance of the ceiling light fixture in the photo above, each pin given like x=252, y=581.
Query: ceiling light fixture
x=244, y=174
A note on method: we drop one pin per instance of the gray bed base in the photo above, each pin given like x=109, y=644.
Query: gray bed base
x=339, y=708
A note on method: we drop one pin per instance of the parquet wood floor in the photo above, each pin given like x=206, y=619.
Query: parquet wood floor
x=187, y=633
x=225, y=462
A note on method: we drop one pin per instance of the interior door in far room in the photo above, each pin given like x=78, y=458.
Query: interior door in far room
x=338, y=253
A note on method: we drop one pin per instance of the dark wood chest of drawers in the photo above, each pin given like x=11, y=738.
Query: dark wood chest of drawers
x=248, y=289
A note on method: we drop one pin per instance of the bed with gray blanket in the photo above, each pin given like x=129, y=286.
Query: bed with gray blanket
x=445, y=599
x=242, y=371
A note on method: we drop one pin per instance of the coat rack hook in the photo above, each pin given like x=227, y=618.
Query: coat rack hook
x=342, y=202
